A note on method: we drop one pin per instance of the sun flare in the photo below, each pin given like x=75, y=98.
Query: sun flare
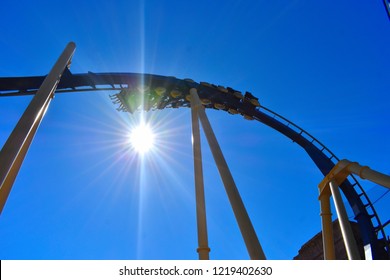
x=142, y=138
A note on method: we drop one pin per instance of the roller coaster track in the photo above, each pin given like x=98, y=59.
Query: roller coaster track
x=154, y=92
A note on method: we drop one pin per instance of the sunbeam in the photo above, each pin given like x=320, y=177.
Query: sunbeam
x=142, y=138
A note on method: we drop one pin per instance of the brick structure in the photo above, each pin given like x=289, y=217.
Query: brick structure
x=313, y=250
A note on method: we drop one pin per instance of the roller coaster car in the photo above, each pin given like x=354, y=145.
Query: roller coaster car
x=131, y=102
x=114, y=98
x=205, y=101
x=176, y=93
x=254, y=100
x=176, y=104
x=149, y=102
x=232, y=111
x=223, y=89
x=238, y=95
x=161, y=104
x=117, y=100
x=160, y=91
x=230, y=89
x=247, y=117
x=235, y=93
x=121, y=108
x=206, y=84
x=143, y=88
x=219, y=106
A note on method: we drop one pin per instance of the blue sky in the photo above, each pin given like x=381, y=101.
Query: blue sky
x=81, y=194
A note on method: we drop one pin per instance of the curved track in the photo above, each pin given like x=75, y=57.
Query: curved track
x=153, y=92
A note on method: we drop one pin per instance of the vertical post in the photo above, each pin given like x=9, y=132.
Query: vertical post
x=15, y=148
x=345, y=226
x=203, y=248
x=247, y=231
x=327, y=226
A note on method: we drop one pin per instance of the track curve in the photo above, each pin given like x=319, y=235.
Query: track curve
x=154, y=92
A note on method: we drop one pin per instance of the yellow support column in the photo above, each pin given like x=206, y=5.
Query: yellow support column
x=203, y=247
x=327, y=226
x=365, y=172
x=247, y=231
x=337, y=176
x=345, y=226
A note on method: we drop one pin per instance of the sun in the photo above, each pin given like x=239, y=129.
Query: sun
x=142, y=138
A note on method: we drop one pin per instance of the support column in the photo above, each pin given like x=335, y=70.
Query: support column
x=203, y=248
x=365, y=172
x=345, y=226
x=15, y=148
x=247, y=231
x=327, y=226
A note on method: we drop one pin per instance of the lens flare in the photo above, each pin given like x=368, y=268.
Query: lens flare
x=142, y=138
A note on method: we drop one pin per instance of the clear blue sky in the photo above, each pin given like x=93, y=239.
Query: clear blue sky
x=82, y=195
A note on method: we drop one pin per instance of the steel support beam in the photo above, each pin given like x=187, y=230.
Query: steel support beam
x=203, y=247
x=345, y=226
x=15, y=148
x=327, y=227
x=248, y=232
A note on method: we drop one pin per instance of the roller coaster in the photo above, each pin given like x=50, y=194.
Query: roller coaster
x=133, y=91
